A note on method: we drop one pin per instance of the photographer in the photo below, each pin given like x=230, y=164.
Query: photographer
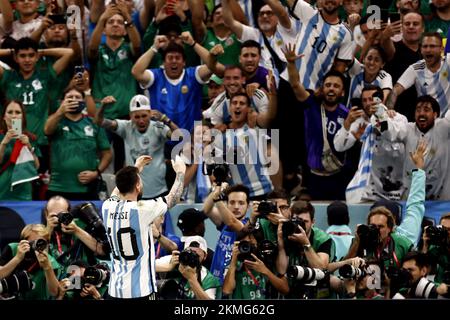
x=197, y=282
x=248, y=276
x=379, y=240
x=302, y=244
x=84, y=282
x=229, y=218
x=412, y=282
x=436, y=243
x=270, y=212
x=69, y=241
x=31, y=255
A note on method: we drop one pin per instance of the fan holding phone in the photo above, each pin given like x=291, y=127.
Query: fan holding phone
x=18, y=162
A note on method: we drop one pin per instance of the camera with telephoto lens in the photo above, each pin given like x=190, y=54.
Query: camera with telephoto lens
x=65, y=218
x=305, y=274
x=438, y=235
x=38, y=245
x=219, y=171
x=266, y=207
x=369, y=236
x=245, y=251
x=189, y=257
x=88, y=213
x=18, y=282
x=348, y=271
x=96, y=275
x=292, y=226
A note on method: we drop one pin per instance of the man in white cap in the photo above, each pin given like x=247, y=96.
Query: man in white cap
x=197, y=281
x=145, y=133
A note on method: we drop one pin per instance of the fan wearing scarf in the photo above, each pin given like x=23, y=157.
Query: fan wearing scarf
x=18, y=161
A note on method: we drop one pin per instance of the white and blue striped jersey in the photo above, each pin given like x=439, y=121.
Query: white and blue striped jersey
x=219, y=111
x=128, y=224
x=277, y=42
x=246, y=155
x=435, y=84
x=321, y=43
x=356, y=73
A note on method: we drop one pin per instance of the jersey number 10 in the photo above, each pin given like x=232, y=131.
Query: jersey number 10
x=119, y=236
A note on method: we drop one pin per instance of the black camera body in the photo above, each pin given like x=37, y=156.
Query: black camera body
x=267, y=252
x=18, y=282
x=245, y=251
x=369, y=236
x=438, y=235
x=266, y=207
x=189, y=257
x=292, y=226
x=38, y=245
x=219, y=171
x=65, y=218
x=96, y=275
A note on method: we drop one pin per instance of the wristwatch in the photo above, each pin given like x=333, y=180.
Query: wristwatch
x=306, y=247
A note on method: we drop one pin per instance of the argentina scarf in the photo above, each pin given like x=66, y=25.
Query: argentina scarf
x=355, y=189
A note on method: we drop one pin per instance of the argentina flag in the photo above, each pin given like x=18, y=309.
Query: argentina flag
x=357, y=186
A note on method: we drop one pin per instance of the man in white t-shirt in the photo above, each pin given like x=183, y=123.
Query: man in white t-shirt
x=28, y=22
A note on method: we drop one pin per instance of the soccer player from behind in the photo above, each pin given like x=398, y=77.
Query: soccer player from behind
x=128, y=224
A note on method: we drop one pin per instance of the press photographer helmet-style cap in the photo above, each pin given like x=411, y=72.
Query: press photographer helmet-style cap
x=189, y=218
x=197, y=242
x=139, y=102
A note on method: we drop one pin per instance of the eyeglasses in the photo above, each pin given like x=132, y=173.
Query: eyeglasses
x=267, y=13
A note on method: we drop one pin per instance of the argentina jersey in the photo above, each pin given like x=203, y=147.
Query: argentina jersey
x=128, y=225
x=435, y=84
x=321, y=43
x=219, y=112
x=246, y=153
x=179, y=99
x=356, y=73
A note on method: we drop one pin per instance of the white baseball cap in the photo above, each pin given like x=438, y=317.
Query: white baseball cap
x=139, y=102
x=190, y=241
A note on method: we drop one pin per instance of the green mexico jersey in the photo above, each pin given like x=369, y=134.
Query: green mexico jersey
x=249, y=284
x=21, y=192
x=113, y=77
x=231, y=47
x=208, y=282
x=74, y=148
x=34, y=94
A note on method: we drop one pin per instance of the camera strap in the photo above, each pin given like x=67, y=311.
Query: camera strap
x=255, y=281
x=391, y=251
x=58, y=242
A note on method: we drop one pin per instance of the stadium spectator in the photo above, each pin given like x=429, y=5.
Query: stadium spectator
x=75, y=144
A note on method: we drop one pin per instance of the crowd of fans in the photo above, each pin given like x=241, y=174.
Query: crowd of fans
x=270, y=104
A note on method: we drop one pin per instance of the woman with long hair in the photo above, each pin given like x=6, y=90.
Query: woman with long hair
x=11, y=143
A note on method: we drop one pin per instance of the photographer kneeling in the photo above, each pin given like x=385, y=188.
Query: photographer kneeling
x=249, y=274
x=84, y=282
x=197, y=282
x=31, y=266
x=411, y=281
x=302, y=245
